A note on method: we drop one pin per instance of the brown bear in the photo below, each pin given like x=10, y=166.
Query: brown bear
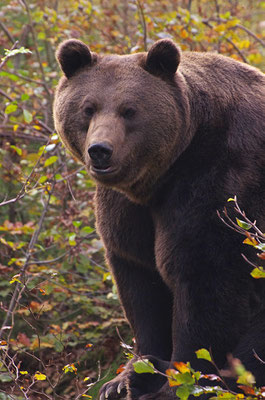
x=169, y=137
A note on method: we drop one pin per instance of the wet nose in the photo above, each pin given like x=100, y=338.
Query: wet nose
x=100, y=154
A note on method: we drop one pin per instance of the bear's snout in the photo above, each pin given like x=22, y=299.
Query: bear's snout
x=100, y=154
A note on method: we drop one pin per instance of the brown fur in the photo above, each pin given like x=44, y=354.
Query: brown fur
x=180, y=134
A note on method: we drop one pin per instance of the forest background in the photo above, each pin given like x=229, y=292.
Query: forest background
x=60, y=320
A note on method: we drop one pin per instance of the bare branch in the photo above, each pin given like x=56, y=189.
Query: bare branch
x=8, y=34
x=143, y=22
x=4, y=94
x=237, y=49
x=239, y=26
x=18, y=289
x=25, y=4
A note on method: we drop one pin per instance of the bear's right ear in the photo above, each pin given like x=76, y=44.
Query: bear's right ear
x=163, y=58
x=73, y=55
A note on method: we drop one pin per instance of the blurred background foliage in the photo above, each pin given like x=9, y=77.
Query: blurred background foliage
x=59, y=312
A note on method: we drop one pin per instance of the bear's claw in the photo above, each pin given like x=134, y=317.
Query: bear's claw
x=120, y=387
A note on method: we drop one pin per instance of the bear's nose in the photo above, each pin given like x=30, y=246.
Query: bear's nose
x=100, y=154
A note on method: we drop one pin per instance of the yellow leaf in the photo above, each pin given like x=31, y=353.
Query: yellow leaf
x=184, y=34
x=2, y=240
x=39, y=376
x=244, y=44
x=220, y=28
x=251, y=241
x=69, y=368
x=171, y=376
x=115, y=33
x=15, y=279
x=181, y=367
x=232, y=23
x=23, y=372
x=15, y=128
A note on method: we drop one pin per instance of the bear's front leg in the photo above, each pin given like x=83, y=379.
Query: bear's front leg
x=147, y=303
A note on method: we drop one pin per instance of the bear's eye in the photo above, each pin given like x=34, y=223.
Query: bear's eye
x=89, y=111
x=128, y=113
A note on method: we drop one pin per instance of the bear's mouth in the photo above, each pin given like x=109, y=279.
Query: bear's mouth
x=101, y=171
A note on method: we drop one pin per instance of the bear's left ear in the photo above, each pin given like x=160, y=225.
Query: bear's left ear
x=73, y=55
x=163, y=58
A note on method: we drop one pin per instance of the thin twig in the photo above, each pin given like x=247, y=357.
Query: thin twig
x=143, y=22
x=238, y=50
x=22, y=136
x=25, y=78
x=45, y=126
x=250, y=262
x=239, y=26
x=8, y=34
x=18, y=289
x=4, y=94
x=257, y=357
x=47, y=89
x=255, y=37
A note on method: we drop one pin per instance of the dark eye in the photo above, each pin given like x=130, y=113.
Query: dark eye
x=89, y=111
x=128, y=113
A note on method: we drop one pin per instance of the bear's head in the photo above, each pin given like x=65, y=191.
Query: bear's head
x=124, y=117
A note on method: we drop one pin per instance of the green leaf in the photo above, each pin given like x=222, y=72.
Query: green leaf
x=43, y=179
x=17, y=150
x=184, y=391
x=243, y=224
x=204, y=354
x=87, y=229
x=197, y=375
x=51, y=160
x=59, y=347
x=41, y=150
x=185, y=379
x=143, y=367
x=5, y=377
x=11, y=108
x=27, y=116
x=41, y=36
x=11, y=53
x=10, y=76
x=258, y=273
x=77, y=223
x=71, y=239
x=24, y=96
